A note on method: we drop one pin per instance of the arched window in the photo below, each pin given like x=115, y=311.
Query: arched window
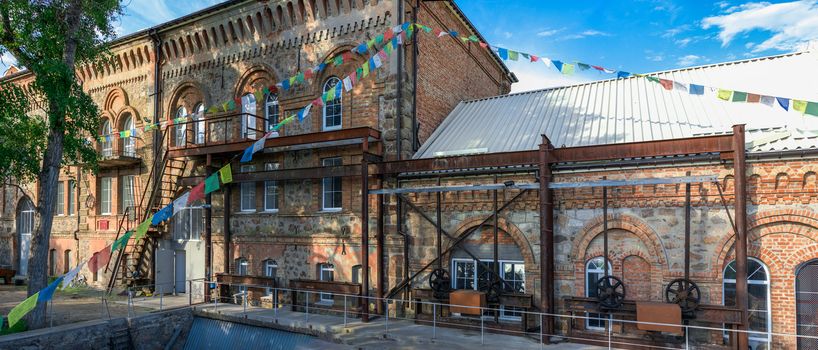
x=107, y=144
x=25, y=225
x=806, y=292
x=241, y=266
x=271, y=111
x=248, y=121
x=270, y=270
x=129, y=143
x=52, y=262
x=66, y=261
x=332, y=109
x=199, y=117
x=594, y=270
x=181, y=128
x=758, y=288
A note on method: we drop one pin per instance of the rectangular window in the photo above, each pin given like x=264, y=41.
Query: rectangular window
x=188, y=224
x=463, y=274
x=326, y=273
x=248, y=191
x=127, y=194
x=514, y=274
x=331, y=189
x=270, y=190
x=469, y=274
x=60, y=198
x=105, y=196
x=72, y=197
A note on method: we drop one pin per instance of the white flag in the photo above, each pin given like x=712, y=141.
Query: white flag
x=400, y=39
x=397, y=29
x=259, y=144
x=546, y=60
x=769, y=101
x=66, y=280
x=377, y=60
x=679, y=86
x=347, y=84
x=306, y=111
x=180, y=203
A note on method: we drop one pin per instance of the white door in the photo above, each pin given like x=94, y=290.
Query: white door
x=181, y=284
x=25, y=226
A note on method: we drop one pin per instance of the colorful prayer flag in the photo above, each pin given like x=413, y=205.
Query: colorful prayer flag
x=180, y=202
x=503, y=53
x=812, y=109
x=583, y=66
x=69, y=277
x=557, y=65
x=696, y=89
x=679, y=86
x=142, y=229
x=248, y=154
x=567, y=69
x=162, y=215
x=622, y=74
x=226, y=174
x=121, y=242
x=534, y=58
x=799, y=105
x=17, y=313
x=783, y=102
x=725, y=94
x=212, y=183
x=47, y=293
x=739, y=96
x=512, y=55
x=667, y=84
x=347, y=84
x=753, y=98
x=196, y=193
x=769, y=101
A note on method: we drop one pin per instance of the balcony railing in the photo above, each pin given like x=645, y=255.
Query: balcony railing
x=120, y=152
x=217, y=130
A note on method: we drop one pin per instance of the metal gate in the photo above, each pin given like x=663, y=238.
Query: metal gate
x=806, y=298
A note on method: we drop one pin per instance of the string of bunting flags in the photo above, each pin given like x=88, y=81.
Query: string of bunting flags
x=388, y=41
x=393, y=37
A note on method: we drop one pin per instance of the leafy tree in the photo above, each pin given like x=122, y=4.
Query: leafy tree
x=50, y=37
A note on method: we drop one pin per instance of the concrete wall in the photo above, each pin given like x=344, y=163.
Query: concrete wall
x=152, y=331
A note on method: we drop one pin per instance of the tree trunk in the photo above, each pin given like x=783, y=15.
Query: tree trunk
x=50, y=173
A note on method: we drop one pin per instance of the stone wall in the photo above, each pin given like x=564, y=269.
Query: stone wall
x=152, y=331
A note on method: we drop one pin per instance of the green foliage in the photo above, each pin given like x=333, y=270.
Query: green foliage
x=36, y=32
x=20, y=326
x=22, y=137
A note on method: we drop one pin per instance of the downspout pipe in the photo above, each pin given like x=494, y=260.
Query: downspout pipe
x=399, y=95
x=157, y=111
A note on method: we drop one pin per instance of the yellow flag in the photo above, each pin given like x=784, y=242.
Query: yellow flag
x=725, y=94
x=226, y=174
x=799, y=105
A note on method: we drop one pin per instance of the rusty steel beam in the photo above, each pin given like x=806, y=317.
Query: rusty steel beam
x=546, y=197
x=281, y=141
x=459, y=162
x=740, y=170
x=661, y=148
x=286, y=174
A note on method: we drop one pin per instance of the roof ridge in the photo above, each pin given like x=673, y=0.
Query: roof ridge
x=667, y=71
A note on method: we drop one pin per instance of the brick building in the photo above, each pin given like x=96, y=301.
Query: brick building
x=223, y=53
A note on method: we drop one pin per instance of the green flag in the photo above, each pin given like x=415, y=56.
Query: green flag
x=142, y=229
x=567, y=69
x=739, y=96
x=22, y=309
x=812, y=108
x=226, y=173
x=512, y=55
x=211, y=183
x=121, y=242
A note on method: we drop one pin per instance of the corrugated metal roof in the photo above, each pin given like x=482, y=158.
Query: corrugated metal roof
x=635, y=109
x=206, y=333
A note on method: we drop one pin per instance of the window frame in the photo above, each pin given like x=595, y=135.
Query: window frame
x=127, y=182
x=330, y=269
x=601, y=272
x=60, y=209
x=340, y=186
x=475, y=279
x=129, y=143
x=752, y=335
x=72, y=194
x=247, y=189
x=107, y=147
x=249, y=117
x=267, y=187
x=185, y=220
x=200, y=126
x=271, y=101
x=103, y=199
x=268, y=265
x=180, y=130
x=338, y=102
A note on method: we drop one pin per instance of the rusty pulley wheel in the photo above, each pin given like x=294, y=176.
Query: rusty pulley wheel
x=685, y=293
x=610, y=292
x=440, y=283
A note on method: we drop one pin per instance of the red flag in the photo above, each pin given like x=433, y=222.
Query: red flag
x=534, y=58
x=347, y=56
x=483, y=45
x=99, y=259
x=667, y=84
x=438, y=31
x=273, y=89
x=308, y=74
x=317, y=102
x=753, y=98
x=196, y=193
x=388, y=35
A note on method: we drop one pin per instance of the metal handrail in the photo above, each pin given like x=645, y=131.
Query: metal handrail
x=227, y=120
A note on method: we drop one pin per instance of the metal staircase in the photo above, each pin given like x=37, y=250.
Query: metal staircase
x=132, y=265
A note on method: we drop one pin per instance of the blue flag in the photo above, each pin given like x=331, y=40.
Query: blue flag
x=503, y=53
x=696, y=89
x=783, y=102
x=362, y=48
x=285, y=84
x=248, y=155
x=48, y=292
x=622, y=74
x=557, y=65
x=454, y=34
x=162, y=215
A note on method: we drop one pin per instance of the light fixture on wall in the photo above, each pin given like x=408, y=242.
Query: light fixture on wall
x=343, y=248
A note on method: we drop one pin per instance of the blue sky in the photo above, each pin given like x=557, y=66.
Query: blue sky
x=631, y=35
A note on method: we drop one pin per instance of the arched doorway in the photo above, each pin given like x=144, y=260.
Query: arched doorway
x=806, y=301
x=25, y=226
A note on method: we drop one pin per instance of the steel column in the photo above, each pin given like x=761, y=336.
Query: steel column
x=605, y=229
x=226, y=233
x=365, y=235
x=740, y=170
x=379, y=247
x=546, y=196
x=208, y=242
x=438, y=226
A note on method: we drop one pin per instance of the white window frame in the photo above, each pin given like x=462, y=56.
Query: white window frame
x=107, y=146
x=324, y=182
x=60, y=209
x=242, y=268
x=329, y=84
x=72, y=193
x=248, y=121
x=105, y=204
x=271, y=103
x=476, y=279
x=601, y=272
x=185, y=227
x=127, y=183
x=270, y=270
x=247, y=189
x=753, y=335
x=180, y=129
x=509, y=314
x=200, y=125
x=330, y=270
x=129, y=143
x=268, y=187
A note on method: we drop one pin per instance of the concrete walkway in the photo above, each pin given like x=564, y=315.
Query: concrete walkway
x=377, y=334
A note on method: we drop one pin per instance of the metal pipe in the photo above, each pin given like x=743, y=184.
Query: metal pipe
x=605, y=229
x=741, y=231
x=379, y=248
x=365, y=232
x=399, y=94
x=546, y=196
x=439, y=227
x=415, y=52
x=687, y=233
x=226, y=253
x=208, y=240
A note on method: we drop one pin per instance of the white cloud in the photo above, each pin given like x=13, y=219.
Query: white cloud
x=689, y=60
x=672, y=32
x=683, y=42
x=536, y=76
x=549, y=32
x=655, y=58
x=793, y=24
x=585, y=34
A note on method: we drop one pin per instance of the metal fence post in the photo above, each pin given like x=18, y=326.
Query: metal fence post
x=610, y=330
x=481, y=327
x=190, y=292
x=345, y=311
x=275, y=303
x=51, y=311
x=307, y=309
x=434, y=321
x=161, y=300
x=687, y=338
x=541, y=330
x=386, y=311
x=244, y=300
